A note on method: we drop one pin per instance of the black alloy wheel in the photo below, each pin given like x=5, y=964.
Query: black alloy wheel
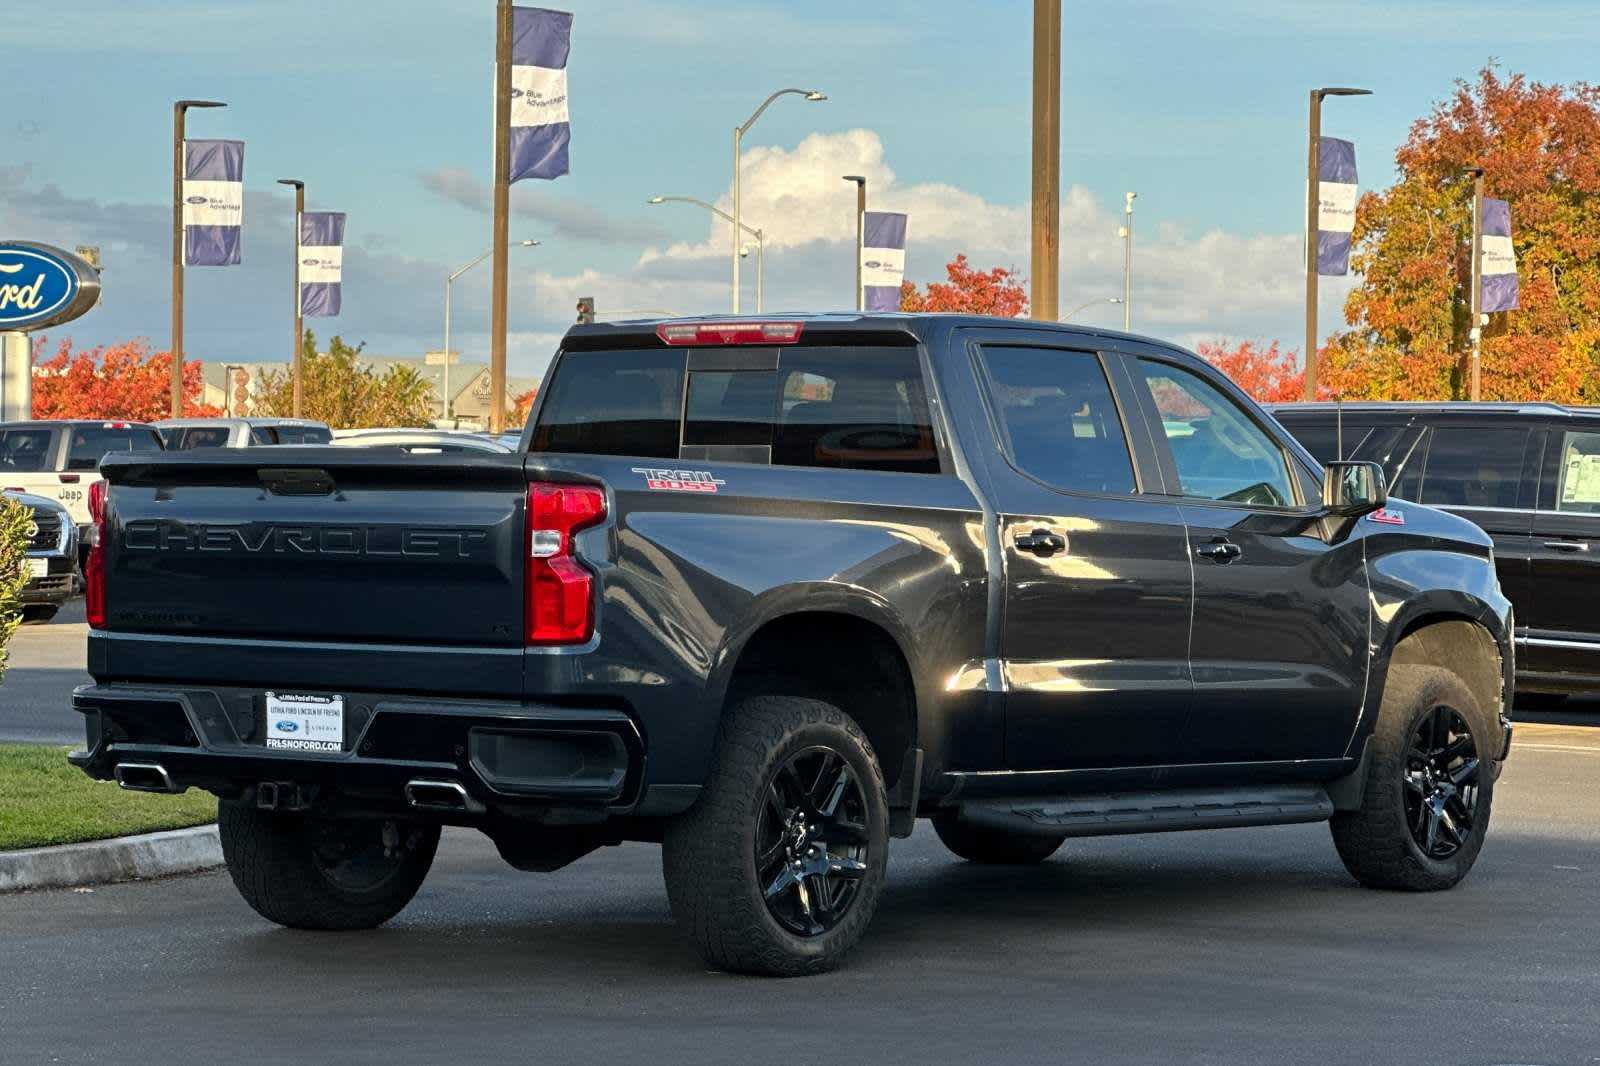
x=1442, y=768
x=812, y=842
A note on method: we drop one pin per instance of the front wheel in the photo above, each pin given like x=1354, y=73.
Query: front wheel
x=39, y=613
x=1430, y=786
x=778, y=867
x=323, y=873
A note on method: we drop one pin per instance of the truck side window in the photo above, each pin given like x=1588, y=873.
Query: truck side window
x=1474, y=466
x=90, y=444
x=1219, y=450
x=1060, y=423
x=24, y=450
x=1579, y=487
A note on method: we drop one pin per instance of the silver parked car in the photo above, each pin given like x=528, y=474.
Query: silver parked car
x=421, y=441
x=186, y=434
x=52, y=557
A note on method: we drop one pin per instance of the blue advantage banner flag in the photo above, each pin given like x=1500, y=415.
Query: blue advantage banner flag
x=540, y=127
x=883, y=259
x=321, y=262
x=1499, y=270
x=1336, y=211
x=213, y=202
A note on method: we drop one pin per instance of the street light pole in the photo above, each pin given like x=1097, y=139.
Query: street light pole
x=1126, y=234
x=738, y=140
x=448, y=282
x=1092, y=303
x=179, y=110
x=1313, y=213
x=1474, y=377
x=1046, y=264
x=756, y=232
x=861, y=234
x=299, y=322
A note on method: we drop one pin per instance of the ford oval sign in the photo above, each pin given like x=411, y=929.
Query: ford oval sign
x=42, y=286
x=288, y=725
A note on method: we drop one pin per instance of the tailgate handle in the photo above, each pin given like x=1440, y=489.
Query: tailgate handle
x=296, y=481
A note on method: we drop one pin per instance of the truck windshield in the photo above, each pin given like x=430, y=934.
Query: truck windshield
x=25, y=451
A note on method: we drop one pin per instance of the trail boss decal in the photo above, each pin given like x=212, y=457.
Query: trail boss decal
x=1388, y=518
x=678, y=480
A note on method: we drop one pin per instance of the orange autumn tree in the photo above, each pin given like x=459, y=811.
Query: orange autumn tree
x=975, y=292
x=126, y=381
x=524, y=406
x=1269, y=374
x=1539, y=146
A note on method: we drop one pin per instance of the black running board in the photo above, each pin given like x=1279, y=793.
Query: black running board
x=1169, y=811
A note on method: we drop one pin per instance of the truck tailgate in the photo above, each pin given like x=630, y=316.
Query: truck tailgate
x=317, y=544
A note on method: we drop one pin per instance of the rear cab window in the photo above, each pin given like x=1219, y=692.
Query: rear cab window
x=300, y=434
x=183, y=439
x=90, y=444
x=839, y=407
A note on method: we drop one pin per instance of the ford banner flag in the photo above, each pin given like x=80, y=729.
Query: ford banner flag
x=1336, y=211
x=1498, y=274
x=213, y=202
x=321, y=262
x=883, y=259
x=540, y=128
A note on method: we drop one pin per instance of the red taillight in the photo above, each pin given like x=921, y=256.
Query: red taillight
x=708, y=333
x=94, y=568
x=558, y=606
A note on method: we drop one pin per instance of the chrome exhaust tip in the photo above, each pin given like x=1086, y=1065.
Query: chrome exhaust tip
x=430, y=795
x=144, y=777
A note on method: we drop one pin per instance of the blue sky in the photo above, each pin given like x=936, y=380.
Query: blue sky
x=383, y=108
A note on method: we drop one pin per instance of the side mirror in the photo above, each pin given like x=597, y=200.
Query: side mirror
x=1350, y=490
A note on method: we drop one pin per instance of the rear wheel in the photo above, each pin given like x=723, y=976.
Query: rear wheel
x=778, y=867
x=323, y=873
x=1429, y=789
x=994, y=846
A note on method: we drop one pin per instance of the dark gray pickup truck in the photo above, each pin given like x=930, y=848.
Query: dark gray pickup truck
x=767, y=592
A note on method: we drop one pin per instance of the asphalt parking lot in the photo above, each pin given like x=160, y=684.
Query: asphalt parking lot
x=1230, y=946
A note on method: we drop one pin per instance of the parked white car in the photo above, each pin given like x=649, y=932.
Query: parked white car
x=421, y=441
x=186, y=434
x=59, y=460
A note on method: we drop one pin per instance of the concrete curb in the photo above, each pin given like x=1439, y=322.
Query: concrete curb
x=98, y=862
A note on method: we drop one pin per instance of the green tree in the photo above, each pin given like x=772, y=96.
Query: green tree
x=346, y=393
x=15, y=519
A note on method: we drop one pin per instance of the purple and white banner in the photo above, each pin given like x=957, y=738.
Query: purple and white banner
x=1499, y=270
x=1336, y=205
x=540, y=126
x=213, y=202
x=320, y=259
x=883, y=259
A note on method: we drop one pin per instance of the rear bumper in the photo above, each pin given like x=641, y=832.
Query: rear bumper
x=544, y=762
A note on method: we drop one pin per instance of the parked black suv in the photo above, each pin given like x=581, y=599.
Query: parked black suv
x=1528, y=474
x=767, y=592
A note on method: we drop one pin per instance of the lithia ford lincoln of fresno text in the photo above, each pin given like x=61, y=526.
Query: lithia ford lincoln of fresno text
x=766, y=592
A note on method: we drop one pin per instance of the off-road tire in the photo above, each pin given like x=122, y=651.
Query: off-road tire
x=271, y=858
x=1375, y=841
x=708, y=853
x=994, y=846
x=35, y=614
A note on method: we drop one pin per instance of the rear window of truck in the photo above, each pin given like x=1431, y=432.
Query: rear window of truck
x=90, y=444
x=854, y=408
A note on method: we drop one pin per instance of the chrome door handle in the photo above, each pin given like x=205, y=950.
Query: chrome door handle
x=1568, y=546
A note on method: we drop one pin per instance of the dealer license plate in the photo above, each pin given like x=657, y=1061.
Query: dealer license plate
x=302, y=722
x=38, y=568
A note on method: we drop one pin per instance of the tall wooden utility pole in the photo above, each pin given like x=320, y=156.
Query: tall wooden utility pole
x=1045, y=269
x=502, y=213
